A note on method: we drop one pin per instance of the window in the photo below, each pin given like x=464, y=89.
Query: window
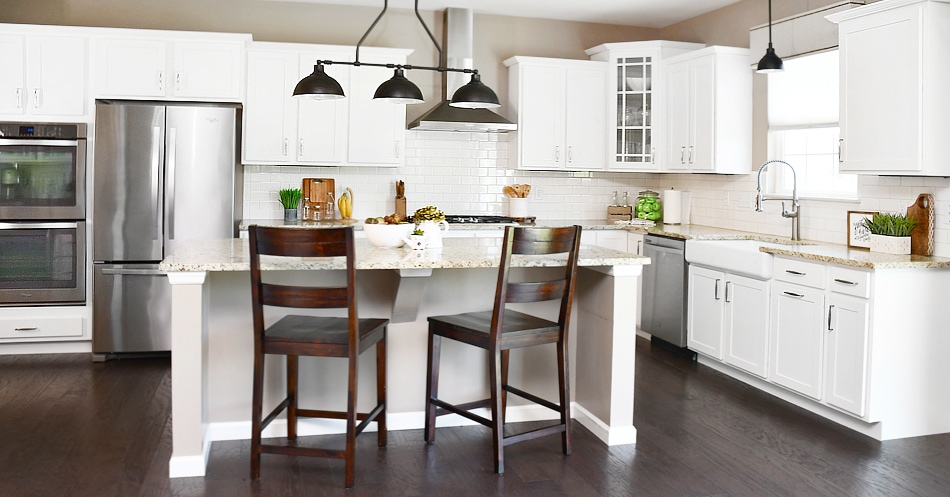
x=803, y=129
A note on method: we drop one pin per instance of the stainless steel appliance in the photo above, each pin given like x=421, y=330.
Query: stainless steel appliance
x=42, y=263
x=162, y=173
x=42, y=171
x=664, y=289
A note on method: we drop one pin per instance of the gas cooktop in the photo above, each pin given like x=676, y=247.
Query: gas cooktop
x=465, y=219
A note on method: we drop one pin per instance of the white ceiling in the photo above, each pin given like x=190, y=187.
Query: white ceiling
x=642, y=13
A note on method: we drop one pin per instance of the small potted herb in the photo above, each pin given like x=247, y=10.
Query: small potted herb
x=890, y=233
x=290, y=199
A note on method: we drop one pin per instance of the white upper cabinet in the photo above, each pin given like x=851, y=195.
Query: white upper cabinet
x=282, y=129
x=161, y=65
x=636, y=104
x=377, y=129
x=894, y=78
x=43, y=75
x=561, y=113
x=709, y=117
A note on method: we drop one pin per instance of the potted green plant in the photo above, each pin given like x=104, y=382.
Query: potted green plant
x=290, y=199
x=890, y=233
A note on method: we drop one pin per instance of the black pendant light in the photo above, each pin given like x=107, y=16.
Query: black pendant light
x=770, y=62
x=318, y=86
x=399, y=90
x=475, y=95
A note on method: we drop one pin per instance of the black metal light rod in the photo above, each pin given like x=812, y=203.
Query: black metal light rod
x=441, y=67
x=397, y=66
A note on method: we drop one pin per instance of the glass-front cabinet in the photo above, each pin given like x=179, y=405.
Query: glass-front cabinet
x=636, y=107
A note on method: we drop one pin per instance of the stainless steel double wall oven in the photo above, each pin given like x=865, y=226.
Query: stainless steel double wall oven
x=42, y=214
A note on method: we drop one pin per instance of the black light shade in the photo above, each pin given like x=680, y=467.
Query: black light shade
x=475, y=95
x=318, y=86
x=770, y=62
x=399, y=90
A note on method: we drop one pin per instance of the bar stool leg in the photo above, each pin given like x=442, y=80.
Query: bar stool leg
x=504, y=383
x=563, y=379
x=432, y=384
x=381, y=390
x=292, y=369
x=257, y=407
x=498, y=424
x=351, y=397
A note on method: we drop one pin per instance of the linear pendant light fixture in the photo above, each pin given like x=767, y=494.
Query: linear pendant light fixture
x=770, y=62
x=474, y=95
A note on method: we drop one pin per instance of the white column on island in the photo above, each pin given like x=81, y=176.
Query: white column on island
x=190, y=444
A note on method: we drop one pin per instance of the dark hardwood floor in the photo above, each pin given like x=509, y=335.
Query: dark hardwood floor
x=69, y=427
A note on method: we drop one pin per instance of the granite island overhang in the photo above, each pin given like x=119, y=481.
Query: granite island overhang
x=212, y=346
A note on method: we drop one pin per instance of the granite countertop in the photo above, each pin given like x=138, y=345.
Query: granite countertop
x=810, y=250
x=232, y=255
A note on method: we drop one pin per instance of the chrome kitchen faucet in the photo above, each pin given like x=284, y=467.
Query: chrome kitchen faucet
x=795, y=213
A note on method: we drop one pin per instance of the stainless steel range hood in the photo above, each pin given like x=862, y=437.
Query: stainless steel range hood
x=457, y=45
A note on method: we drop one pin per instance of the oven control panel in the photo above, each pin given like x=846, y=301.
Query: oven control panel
x=47, y=131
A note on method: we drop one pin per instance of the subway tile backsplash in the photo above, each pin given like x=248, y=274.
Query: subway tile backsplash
x=464, y=172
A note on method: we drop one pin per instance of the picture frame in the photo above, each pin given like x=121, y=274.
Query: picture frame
x=858, y=235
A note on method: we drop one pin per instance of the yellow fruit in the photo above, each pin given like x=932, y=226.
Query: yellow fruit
x=345, y=203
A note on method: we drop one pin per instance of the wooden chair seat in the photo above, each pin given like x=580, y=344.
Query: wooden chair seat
x=296, y=335
x=500, y=330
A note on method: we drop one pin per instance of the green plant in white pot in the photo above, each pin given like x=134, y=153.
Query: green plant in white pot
x=290, y=199
x=890, y=233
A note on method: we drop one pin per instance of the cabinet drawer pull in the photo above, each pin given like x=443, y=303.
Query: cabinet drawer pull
x=727, y=291
x=790, y=294
x=840, y=145
x=19, y=98
x=26, y=328
x=830, y=307
x=690, y=154
x=682, y=155
x=796, y=273
x=716, y=289
x=845, y=282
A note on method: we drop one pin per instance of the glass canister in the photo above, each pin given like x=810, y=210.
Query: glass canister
x=648, y=206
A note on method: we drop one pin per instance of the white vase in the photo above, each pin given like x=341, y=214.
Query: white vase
x=898, y=245
x=433, y=232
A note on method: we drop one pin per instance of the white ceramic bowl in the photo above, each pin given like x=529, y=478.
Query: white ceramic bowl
x=638, y=84
x=387, y=235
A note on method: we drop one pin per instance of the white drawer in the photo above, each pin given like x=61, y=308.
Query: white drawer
x=849, y=281
x=799, y=272
x=27, y=328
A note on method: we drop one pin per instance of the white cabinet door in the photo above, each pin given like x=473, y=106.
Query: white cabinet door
x=541, y=118
x=702, y=122
x=705, y=311
x=635, y=243
x=43, y=75
x=13, y=89
x=376, y=129
x=322, y=124
x=208, y=70
x=678, y=115
x=129, y=67
x=269, y=116
x=795, y=356
x=868, y=100
x=585, y=115
x=846, y=353
x=746, y=324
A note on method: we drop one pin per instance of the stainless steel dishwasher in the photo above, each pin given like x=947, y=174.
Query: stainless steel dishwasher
x=664, y=289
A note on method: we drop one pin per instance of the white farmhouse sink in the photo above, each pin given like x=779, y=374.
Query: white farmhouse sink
x=740, y=257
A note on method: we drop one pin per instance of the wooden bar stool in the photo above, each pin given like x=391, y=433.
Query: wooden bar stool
x=296, y=335
x=501, y=329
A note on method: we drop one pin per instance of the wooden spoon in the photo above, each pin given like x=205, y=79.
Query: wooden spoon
x=526, y=190
x=517, y=189
x=509, y=191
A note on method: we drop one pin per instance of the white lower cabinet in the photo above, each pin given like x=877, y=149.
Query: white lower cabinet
x=797, y=333
x=846, y=353
x=728, y=318
x=30, y=329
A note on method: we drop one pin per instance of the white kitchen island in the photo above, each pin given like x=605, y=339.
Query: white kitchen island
x=212, y=347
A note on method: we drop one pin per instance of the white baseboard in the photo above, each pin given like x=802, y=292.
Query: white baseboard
x=621, y=435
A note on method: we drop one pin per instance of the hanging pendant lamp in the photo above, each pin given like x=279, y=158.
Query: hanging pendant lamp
x=475, y=95
x=319, y=86
x=770, y=62
x=398, y=89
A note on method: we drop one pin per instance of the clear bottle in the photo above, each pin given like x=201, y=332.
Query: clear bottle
x=626, y=200
x=330, y=212
x=305, y=214
x=613, y=200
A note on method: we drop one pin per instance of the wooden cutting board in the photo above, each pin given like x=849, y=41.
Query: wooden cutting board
x=316, y=190
x=922, y=238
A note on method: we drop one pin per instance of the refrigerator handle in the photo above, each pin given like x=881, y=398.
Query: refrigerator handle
x=171, y=159
x=156, y=159
x=134, y=272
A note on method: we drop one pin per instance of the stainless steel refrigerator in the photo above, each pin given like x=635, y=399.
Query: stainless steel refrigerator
x=162, y=174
